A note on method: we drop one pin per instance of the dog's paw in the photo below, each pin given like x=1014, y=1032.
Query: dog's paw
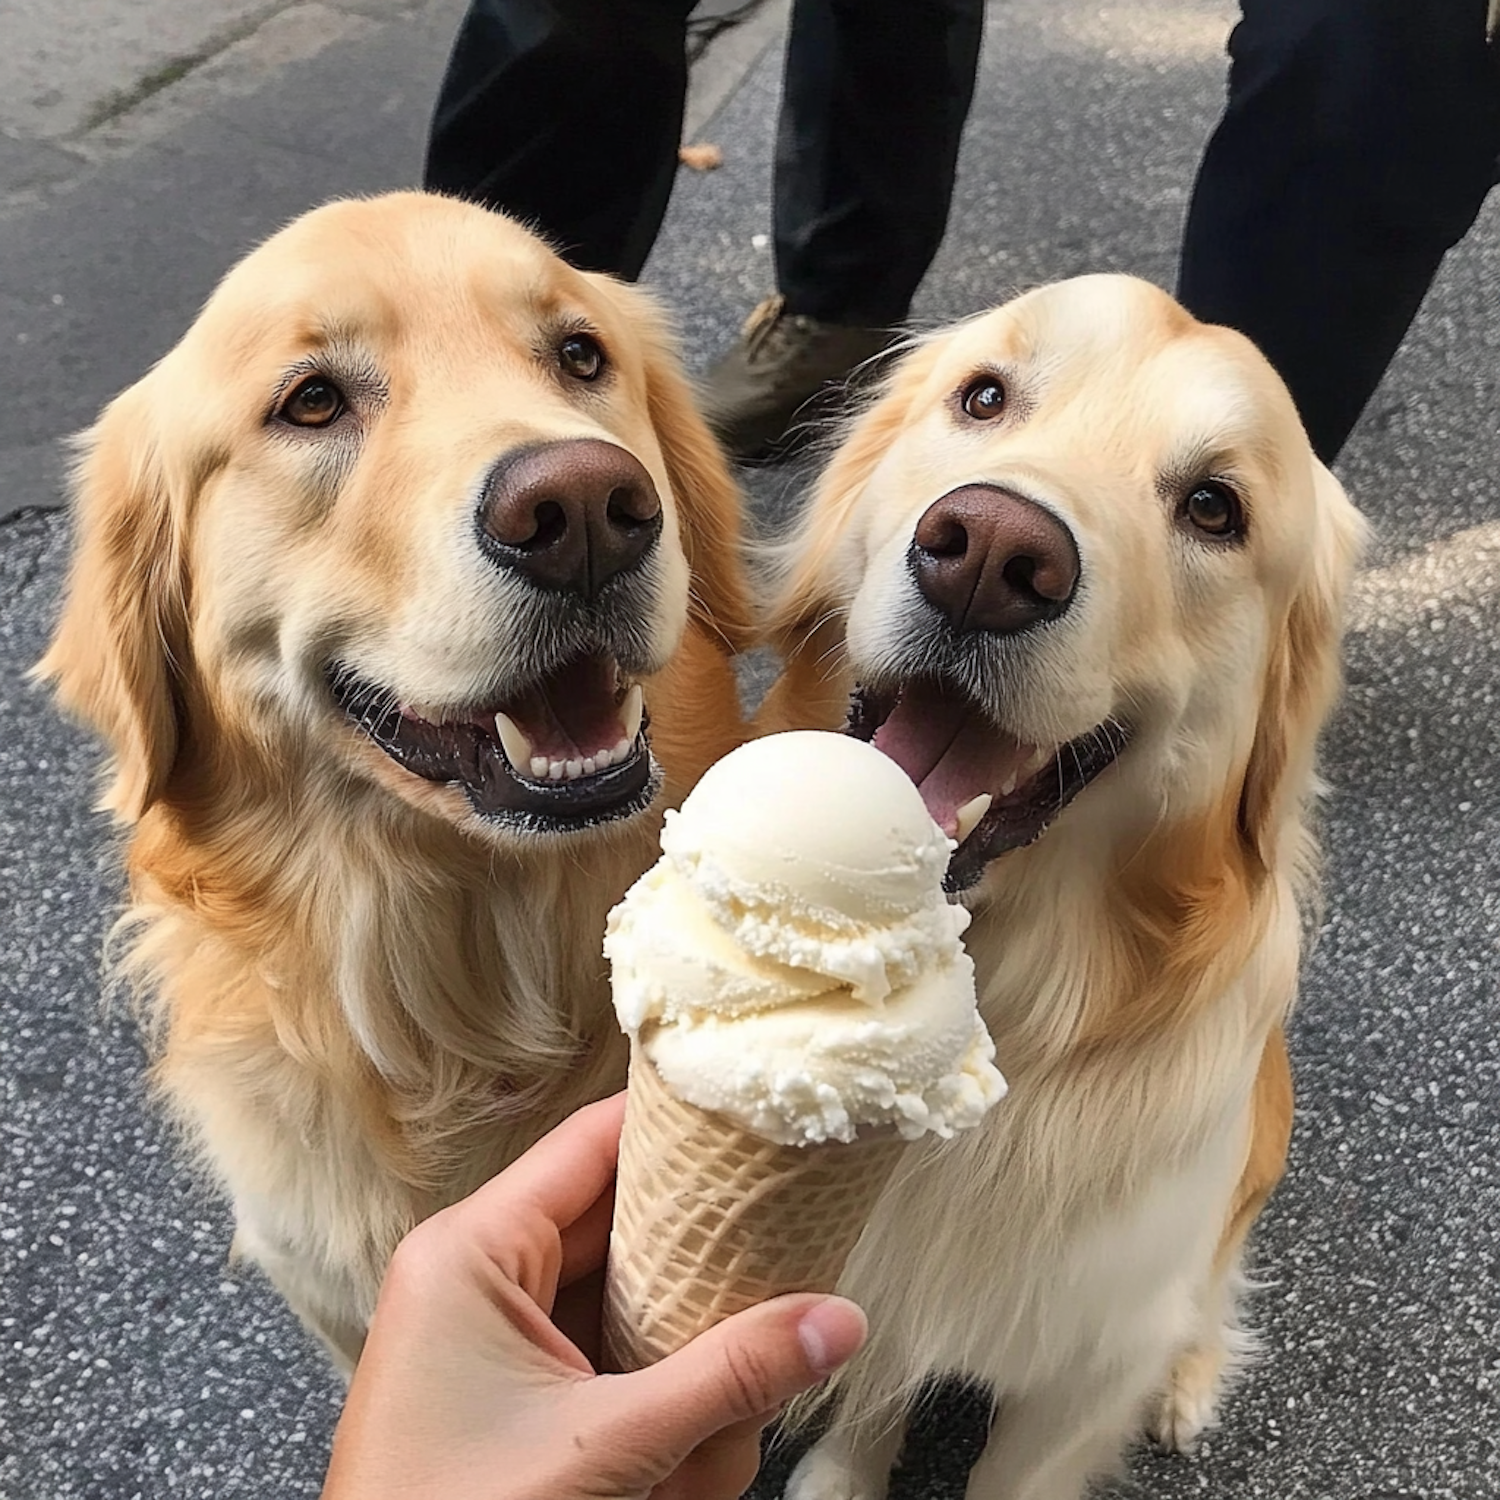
x=827, y=1472
x=1189, y=1405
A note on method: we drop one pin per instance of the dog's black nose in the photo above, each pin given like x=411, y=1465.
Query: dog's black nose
x=993, y=560
x=569, y=515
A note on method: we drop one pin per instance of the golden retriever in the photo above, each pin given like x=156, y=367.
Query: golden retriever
x=1085, y=577
x=376, y=574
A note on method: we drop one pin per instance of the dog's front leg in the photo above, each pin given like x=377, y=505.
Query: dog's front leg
x=848, y=1464
x=328, y=1307
x=1050, y=1442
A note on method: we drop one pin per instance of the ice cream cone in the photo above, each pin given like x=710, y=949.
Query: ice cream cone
x=800, y=1008
x=711, y=1219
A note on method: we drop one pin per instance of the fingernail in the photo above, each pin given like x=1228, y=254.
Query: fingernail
x=831, y=1332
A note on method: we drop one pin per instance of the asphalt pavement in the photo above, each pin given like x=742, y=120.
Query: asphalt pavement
x=134, y=1360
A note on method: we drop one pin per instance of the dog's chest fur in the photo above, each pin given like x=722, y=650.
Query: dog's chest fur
x=1071, y=1231
x=343, y=1089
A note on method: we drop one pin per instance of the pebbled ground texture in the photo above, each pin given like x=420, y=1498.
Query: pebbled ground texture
x=136, y=1362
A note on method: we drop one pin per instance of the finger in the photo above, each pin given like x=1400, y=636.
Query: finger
x=563, y=1274
x=741, y=1371
x=578, y=1313
x=585, y=1242
x=564, y=1174
x=519, y=1219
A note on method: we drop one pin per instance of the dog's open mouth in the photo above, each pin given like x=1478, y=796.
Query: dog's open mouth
x=568, y=751
x=988, y=790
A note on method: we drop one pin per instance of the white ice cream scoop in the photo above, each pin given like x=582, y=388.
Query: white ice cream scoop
x=821, y=821
x=792, y=963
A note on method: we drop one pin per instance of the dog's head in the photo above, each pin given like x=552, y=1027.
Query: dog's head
x=412, y=504
x=1082, y=536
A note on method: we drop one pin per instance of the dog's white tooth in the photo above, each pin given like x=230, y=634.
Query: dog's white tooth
x=603, y=759
x=515, y=744
x=539, y=765
x=1009, y=785
x=574, y=770
x=970, y=814
x=622, y=750
x=632, y=710
x=590, y=765
x=555, y=770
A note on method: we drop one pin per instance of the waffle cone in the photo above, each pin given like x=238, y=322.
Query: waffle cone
x=711, y=1219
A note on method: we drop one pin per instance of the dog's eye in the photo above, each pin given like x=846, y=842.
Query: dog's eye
x=316, y=402
x=1214, y=509
x=984, y=399
x=580, y=356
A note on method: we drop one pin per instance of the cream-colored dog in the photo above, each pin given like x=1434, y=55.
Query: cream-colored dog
x=403, y=584
x=1085, y=577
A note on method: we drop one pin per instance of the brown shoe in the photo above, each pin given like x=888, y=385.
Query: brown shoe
x=759, y=395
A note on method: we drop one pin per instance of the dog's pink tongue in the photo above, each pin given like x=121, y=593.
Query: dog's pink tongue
x=949, y=750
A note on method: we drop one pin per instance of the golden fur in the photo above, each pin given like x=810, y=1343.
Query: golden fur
x=1080, y=1251
x=365, y=997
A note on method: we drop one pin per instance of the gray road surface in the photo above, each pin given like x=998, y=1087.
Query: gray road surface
x=133, y=1361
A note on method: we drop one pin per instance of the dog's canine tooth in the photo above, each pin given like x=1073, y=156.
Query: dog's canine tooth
x=632, y=711
x=970, y=814
x=514, y=742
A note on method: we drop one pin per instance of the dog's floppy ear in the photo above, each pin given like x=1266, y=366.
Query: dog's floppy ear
x=1303, y=674
x=709, y=507
x=816, y=570
x=119, y=643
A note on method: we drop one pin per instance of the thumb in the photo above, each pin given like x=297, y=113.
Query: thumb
x=744, y=1368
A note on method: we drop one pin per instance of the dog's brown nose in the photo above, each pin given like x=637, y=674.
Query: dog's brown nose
x=993, y=560
x=570, y=515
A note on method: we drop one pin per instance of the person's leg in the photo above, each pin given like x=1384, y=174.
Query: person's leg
x=875, y=98
x=1358, y=142
x=567, y=114
x=873, y=107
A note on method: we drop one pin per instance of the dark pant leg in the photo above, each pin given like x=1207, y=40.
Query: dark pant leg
x=566, y=113
x=1357, y=145
x=875, y=99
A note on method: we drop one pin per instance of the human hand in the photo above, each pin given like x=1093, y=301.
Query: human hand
x=468, y=1387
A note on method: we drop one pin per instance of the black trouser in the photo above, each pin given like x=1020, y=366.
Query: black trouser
x=1358, y=142
x=567, y=113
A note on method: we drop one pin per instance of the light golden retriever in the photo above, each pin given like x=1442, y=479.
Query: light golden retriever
x=377, y=573
x=1085, y=577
